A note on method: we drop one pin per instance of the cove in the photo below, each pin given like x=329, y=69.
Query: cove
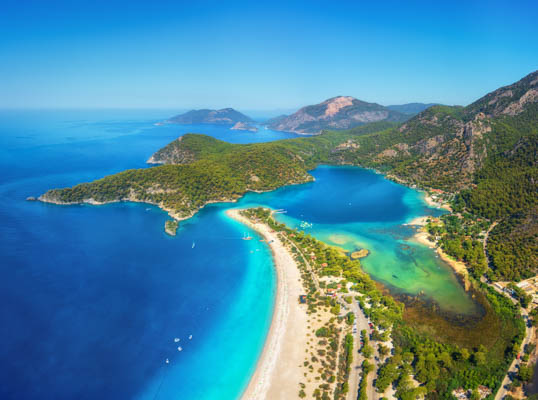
x=354, y=208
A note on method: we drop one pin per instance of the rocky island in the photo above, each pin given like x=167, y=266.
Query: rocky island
x=171, y=226
x=225, y=116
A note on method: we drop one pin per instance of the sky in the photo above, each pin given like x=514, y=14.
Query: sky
x=259, y=55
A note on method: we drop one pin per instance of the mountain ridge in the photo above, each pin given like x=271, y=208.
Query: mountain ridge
x=340, y=112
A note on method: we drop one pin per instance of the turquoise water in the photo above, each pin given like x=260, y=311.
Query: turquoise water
x=93, y=297
x=354, y=208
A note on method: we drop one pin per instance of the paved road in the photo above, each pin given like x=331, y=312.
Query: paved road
x=354, y=379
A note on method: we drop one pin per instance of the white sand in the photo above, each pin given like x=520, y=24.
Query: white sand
x=278, y=371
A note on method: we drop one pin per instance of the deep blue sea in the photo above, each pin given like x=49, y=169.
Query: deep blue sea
x=93, y=297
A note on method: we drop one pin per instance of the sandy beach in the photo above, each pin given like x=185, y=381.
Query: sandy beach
x=432, y=203
x=278, y=371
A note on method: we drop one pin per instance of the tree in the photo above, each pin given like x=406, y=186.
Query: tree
x=526, y=372
x=367, y=351
x=479, y=358
x=475, y=395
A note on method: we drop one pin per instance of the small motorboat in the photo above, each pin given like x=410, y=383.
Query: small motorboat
x=179, y=348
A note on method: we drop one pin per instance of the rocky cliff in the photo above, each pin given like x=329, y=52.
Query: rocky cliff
x=343, y=112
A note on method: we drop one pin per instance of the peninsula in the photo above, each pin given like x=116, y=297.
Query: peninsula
x=323, y=307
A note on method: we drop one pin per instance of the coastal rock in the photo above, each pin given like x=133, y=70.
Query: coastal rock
x=171, y=226
x=241, y=126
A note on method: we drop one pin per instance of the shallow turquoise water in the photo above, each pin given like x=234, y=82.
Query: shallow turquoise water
x=355, y=208
x=92, y=297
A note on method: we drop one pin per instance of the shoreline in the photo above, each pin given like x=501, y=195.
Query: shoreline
x=174, y=214
x=435, y=204
x=277, y=373
x=457, y=266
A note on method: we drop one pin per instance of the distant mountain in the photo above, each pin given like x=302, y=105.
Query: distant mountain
x=226, y=116
x=343, y=112
x=411, y=108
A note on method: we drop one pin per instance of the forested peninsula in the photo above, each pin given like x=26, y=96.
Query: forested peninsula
x=483, y=158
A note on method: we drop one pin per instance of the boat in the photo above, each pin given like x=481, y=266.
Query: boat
x=305, y=225
x=167, y=361
x=179, y=348
x=246, y=237
x=176, y=340
x=193, y=244
x=190, y=337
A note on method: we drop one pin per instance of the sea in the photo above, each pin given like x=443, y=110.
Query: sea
x=98, y=302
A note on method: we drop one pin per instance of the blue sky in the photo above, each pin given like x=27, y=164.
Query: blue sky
x=260, y=55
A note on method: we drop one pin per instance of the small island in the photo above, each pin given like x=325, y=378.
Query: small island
x=170, y=227
x=242, y=126
x=359, y=254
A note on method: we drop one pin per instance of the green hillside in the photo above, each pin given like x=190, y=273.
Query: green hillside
x=486, y=153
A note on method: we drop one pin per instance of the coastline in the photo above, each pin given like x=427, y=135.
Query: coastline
x=458, y=267
x=432, y=203
x=44, y=198
x=278, y=373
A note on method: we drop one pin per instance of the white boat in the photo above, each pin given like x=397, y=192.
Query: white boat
x=193, y=244
x=167, y=361
x=179, y=348
x=190, y=337
x=176, y=340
